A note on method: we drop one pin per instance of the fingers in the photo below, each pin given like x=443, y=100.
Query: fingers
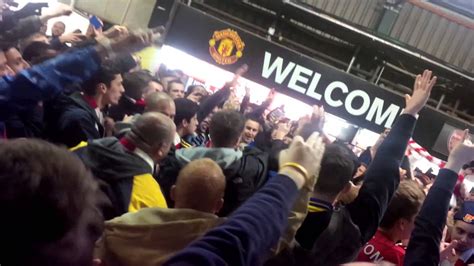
x=297, y=141
x=312, y=140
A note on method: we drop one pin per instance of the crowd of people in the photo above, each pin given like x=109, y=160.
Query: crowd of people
x=104, y=163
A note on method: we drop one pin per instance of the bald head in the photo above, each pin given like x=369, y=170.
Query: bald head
x=200, y=186
x=153, y=133
x=160, y=102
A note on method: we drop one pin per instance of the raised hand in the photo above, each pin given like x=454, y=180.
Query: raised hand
x=448, y=252
x=462, y=153
x=133, y=42
x=282, y=131
x=421, y=93
x=271, y=95
x=318, y=116
x=71, y=38
x=307, y=155
x=238, y=73
x=116, y=32
x=31, y=9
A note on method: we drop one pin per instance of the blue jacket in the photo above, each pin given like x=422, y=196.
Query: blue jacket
x=22, y=92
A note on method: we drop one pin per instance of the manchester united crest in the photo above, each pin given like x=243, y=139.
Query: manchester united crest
x=226, y=47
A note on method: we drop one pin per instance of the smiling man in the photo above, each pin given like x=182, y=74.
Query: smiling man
x=82, y=118
x=251, y=129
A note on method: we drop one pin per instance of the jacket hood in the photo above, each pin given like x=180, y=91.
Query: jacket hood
x=150, y=236
x=107, y=159
x=224, y=157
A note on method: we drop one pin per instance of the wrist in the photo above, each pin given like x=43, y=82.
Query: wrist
x=410, y=111
x=453, y=165
x=294, y=175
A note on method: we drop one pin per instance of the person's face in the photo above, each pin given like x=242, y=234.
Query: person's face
x=58, y=29
x=114, y=92
x=169, y=110
x=197, y=94
x=361, y=170
x=192, y=125
x=176, y=90
x=16, y=61
x=250, y=131
x=5, y=70
x=464, y=234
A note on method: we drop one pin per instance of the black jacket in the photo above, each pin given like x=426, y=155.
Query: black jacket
x=354, y=225
x=245, y=172
x=423, y=248
x=116, y=170
x=76, y=122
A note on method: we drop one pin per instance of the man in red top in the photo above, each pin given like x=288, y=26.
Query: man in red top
x=396, y=226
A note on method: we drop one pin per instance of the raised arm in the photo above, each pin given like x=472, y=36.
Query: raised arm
x=220, y=96
x=426, y=237
x=253, y=228
x=382, y=177
x=45, y=80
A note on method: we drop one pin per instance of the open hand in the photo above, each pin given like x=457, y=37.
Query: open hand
x=462, y=153
x=308, y=154
x=238, y=73
x=71, y=38
x=133, y=42
x=116, y=32
x=421, y=93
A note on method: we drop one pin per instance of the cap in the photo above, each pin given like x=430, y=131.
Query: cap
x=466, y=213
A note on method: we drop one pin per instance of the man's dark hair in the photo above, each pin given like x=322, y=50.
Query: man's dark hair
x=105, y=75
x=50, y=201
x=225, y=128
x=255, y=118
x=336, y=170
x=37, y=52
x=405, y=203
x=191, y=89
x=178, y=81
x=135, y=82
x=185, y=109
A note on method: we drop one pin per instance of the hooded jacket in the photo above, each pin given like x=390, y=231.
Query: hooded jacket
x=167, y=231
x=124, y=177
x=245, y=171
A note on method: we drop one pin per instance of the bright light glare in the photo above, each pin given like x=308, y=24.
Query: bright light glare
x=214, y=78
x=73, y=22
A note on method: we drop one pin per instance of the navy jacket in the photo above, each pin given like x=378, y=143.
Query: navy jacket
x=429, y=224
x=22, y=92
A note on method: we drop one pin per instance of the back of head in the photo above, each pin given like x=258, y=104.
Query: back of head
x=158, y=102
x=406, y=203
x=135, y=83
x=226, y=128
x=105, y=75
x=336, y=171
x=185, y=109
x=151, y=131
x=200, y=186
x=49, y=198
x=38, y=52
